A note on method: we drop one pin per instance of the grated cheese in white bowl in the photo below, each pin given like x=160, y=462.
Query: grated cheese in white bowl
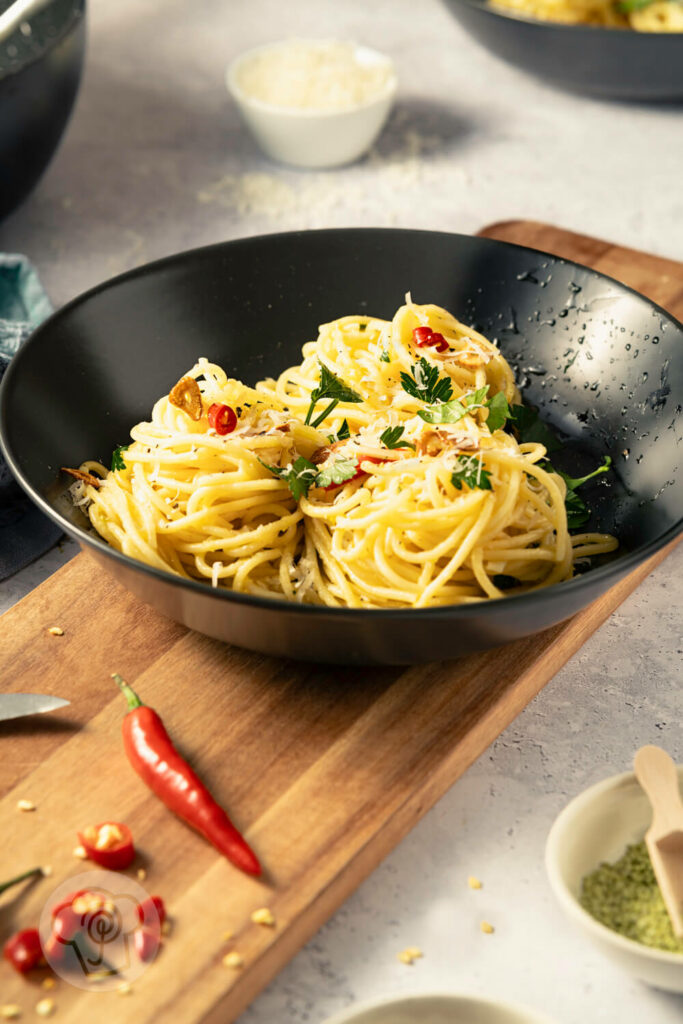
x=313, y=103
x=314, y=75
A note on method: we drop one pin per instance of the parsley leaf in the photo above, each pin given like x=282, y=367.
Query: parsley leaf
x=425, y=384
x=530, y=429
x=470, y=471
x=451, y=412
x=574, y=482
x=340, y=471
x=499, y=411
x=391, y=437
x=342, y=434
x=628, y=6
x=117, y=460
x=578, y=511
x=385, y=357
x=300, y=476
x=330, y=386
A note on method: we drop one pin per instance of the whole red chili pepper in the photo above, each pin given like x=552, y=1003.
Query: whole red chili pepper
x=157, y=762
x=110, y=845
x=222, y=418
x=23, y=950
x=426, y=336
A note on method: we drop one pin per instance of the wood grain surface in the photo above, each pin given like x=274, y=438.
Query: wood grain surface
x=326, y=769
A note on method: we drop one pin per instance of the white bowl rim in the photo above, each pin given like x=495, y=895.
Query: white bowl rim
x=238, y=94
x=564, y=895
x=349, y=1015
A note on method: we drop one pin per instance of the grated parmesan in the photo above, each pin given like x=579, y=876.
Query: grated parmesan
x=307, y=74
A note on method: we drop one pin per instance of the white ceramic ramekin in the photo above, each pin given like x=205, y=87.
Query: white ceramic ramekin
x=438, y=1008
x=313, y=138
x=597, y=826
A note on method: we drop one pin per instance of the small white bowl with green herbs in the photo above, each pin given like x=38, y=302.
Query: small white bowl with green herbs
x=439, y=1008
x=605, y=825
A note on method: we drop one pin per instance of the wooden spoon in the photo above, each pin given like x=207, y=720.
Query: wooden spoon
x=658, y=776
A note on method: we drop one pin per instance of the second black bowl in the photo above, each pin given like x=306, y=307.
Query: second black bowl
x=602, y=363
x=614, y=63
x=40, y=71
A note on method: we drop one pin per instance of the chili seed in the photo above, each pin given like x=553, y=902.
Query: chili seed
x=264, y=916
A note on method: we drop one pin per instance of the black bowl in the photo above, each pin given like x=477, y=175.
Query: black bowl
x=40, y=71
x=589, y=59
x=602, y=363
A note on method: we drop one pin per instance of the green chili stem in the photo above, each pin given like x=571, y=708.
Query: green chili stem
x=20, y=878
x=318, y=420
x=129, y=693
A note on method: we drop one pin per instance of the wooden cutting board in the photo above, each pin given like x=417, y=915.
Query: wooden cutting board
x=325, y=768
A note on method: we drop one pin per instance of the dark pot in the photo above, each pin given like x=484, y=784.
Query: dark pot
x=40, y=73
x=608, y=62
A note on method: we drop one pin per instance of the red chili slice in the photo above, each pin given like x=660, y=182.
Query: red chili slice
x=23, y=950
x=146, y=942
x=152, y=911
x=424, y=336
x=110, y=845
x=222, y=418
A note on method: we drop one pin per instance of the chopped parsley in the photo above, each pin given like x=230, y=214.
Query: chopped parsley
x=338, y=473
x=117, y=460
x=425, y=383
x=330, y=386
x=451, y=412
x=578, y=511
x=628, y=6
x=391, y=437
x=299, y=477
x=532, y=430
x=342, y=434
x=302, y=474
x=499, y=412
x=470, y=471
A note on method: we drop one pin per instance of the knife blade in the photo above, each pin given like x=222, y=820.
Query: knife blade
x=16, y=705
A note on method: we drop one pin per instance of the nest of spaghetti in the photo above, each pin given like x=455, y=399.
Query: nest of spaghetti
x=381, y=472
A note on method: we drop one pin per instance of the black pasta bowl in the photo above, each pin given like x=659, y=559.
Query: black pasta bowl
x=601, y=363
x=613, y=63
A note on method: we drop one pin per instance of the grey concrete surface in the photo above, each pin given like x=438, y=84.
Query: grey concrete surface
x=155, y=160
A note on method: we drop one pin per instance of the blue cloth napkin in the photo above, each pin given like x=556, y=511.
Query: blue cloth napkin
x=25, y=533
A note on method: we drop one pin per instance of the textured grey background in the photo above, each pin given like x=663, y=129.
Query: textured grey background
x=155, y=161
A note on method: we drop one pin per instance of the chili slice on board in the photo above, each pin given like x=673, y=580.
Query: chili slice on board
x=23, y=950
x=110, y=845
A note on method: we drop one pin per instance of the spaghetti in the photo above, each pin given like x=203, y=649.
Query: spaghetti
x=641, y=15
x=377, y=473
